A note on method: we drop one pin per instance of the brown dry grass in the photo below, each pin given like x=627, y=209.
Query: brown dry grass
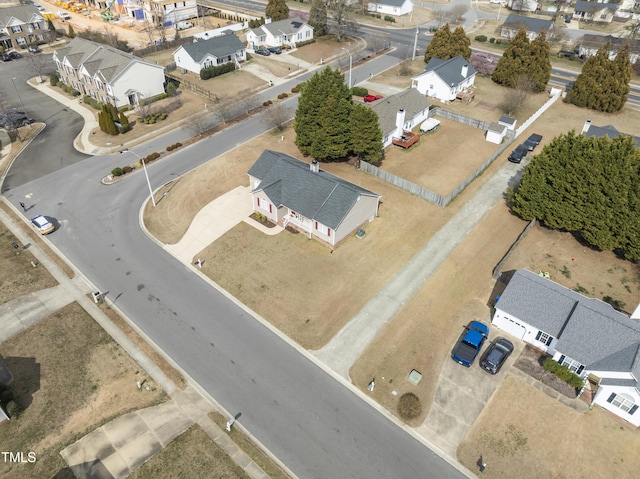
x=524, y=433
x=70, y=378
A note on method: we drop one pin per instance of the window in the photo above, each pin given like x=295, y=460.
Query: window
x=36, y=26
x=574, y=366
x=624, y=402
x=16, y=29
x=544, y=338
x=603, y=16
x=21, y=41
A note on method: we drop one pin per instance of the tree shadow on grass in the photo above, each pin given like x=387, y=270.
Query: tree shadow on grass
x=26, y=379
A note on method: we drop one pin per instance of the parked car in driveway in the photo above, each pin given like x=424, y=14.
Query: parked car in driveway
x=468, y=347
x=15, y=55
x=518, y=154
x=496, y=354
x=33, y=49
x=42, y=224
x=533, y=141
x=263, y=51
x=372, y=98
x=276, y=50
x=6, y=57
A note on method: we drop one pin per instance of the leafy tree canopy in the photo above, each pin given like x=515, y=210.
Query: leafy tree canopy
x=589, y=186
x=277, y=10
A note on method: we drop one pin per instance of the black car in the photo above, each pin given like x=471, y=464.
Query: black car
x=15, y=55
x=533, y=141
x=276, y=50
x=496, y=354
x=518, y=154
x=6, y=58
x=263, y=51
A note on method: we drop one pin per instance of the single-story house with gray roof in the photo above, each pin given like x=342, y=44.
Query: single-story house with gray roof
x=590, y=129
x=210, y=53
x=594, y=11
x=586, y=335
x=293, y=193
x=590, y=44
x=444, y=79
x=278, y=34
x=533, y=26
x=399, y=112
x=391, y=7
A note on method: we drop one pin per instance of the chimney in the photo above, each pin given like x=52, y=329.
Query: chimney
x=465, y=70
x=586, y=126
x=314, y=166
x=400, y=122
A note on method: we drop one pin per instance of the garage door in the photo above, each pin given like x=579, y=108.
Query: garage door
x=512, y=327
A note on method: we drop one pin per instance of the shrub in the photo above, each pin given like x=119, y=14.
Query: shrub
x=211, y=72
x=498, y=41
x=14, y=409
x=306, y=42
x=282, y=96
x=492, y=40
x=146, y=101
x=53, y=79
x=124, y=108
x=295, y=89
x=163, y=116
x=359, y=91
x=267, y=103
x=74, y=92
x=171, y=89
x=126, y=169
x=151, y=156
x=563, y=372
x=409, y=406
x=389, y=18
x=117, y=171
x=481, y=38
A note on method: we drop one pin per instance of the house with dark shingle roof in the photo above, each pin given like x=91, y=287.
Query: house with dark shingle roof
x=588, y=336
x=590, y=129
x=400, y=112
x=20, y=26
x=210, y=53
x=107, y=74
x=444, y=79
x=391, y=7
x=293, y=193
x=590, y=44
x=594, y=11
x=282, y=33
x=533, y=26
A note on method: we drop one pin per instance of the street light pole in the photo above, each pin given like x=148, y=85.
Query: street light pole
x=144, y=167
x=350, y=63
x=13, y=80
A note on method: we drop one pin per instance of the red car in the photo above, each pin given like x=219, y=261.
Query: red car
x=371, y=98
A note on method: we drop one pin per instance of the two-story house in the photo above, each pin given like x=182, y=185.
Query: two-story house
x=107, y=74
x=20, y=26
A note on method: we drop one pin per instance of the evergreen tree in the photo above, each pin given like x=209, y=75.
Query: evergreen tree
x=277, y=10
x=538, y=63
x=124, y=122
x=588, y=186
x=366, y=135
x=603, y=84
x=106, y=119
x=460, y=44
x=440, y=44
x=315, y=94
x=332, y=140
x=71, y=32
x=318, y=17
x=510, y=65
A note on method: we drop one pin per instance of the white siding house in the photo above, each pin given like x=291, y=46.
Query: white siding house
x=293, y=193
x=400, y=112
x=533, y=26
x=213, y=52
x=107, y=74
x=594, y=11
x=444, y=79
x=587, y=335
x=279, y=34
x=395, y=8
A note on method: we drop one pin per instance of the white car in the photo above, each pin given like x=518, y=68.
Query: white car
x=64, y=15
x=42, y=224
x=39, y=7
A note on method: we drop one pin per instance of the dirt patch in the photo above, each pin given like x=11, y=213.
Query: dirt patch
x=69, y=378
x=530, y=362
x=513, y=437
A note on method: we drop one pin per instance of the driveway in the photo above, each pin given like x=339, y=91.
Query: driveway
x=461, y=395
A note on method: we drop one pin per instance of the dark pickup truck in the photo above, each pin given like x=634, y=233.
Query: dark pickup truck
x=469, y=345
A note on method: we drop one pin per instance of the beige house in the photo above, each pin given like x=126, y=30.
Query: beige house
x=107, y=74
x=21, y=26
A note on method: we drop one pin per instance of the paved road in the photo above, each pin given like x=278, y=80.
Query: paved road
x=309, y=419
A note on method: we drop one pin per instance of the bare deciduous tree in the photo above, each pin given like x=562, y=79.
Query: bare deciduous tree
x=198, y=124
x=342, y=12
x=277, y=116
x=248, y=100
x=516, y=97
x=36, y=63
x=456, y=12
x=377, y=42
x=221, y=107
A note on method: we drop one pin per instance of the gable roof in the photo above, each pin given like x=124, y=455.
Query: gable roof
x=319, y=195
x=592, y=7
x=588, y=330
x=25, y=13
x=607, y=130
x=450, y=71
x=411, y=101
x=530, y=24
x=596, y=41
x=218, y=47
x=392, y=3
x=95, y=57
x=287, y=26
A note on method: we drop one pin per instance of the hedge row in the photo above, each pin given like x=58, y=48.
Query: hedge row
x=174, y=146
x=212, y=72
x=563, y=373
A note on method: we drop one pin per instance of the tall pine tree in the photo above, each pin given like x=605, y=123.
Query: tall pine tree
x=366, y=135
x=318, y=17
x=277, y=10
x=440, y=44
x=512, y=61
x=460, y=44
x=538, y=64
